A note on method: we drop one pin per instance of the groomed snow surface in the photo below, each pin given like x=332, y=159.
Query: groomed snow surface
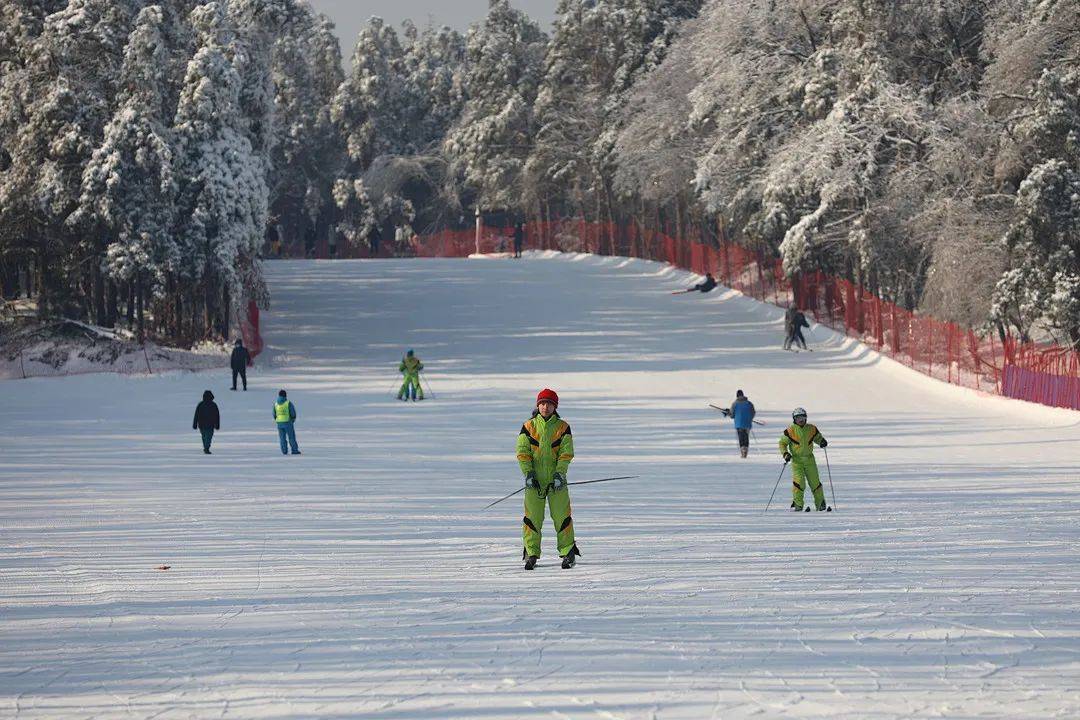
x=362, y=578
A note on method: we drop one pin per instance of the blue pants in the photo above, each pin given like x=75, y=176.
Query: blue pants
x=207, y=437
x=286, y=430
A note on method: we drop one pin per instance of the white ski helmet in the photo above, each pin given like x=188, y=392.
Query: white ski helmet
x=797, y=413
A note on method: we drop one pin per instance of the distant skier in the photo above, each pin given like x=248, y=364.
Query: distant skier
x=285, y=416
x=239, y=361
x=545, y=448
x=410, y=367
x=207, y=420
x=794, y=322
x=519, y=238
x=797, y=445
x=742, y=412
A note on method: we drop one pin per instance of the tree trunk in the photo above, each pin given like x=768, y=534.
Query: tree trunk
x=226, y=313
x=99, y=297
x=141, y=334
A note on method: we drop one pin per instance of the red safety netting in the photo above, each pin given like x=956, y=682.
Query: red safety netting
x=1041, y=373
x=249, y=331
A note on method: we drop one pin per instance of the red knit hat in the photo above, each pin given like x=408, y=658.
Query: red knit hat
x=549, y=395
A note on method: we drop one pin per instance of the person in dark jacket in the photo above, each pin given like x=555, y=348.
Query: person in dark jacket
x=207, y=420
x=705, y=285
x=789, y=326
x=519, y=238
x=239, y=361
x=798, y=324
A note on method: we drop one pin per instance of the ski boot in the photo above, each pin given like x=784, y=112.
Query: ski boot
x=570, y=558
x=744, y=451
x=797, y=508
x=530, y=562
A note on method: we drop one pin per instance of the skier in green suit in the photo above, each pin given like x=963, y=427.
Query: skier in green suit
x=797, y=445
x=410, y=367
x=545, y=448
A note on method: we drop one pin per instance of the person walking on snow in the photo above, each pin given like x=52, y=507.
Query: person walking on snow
x=410, y=367
x=742, y=412
x=239, y=362
x=797, y=446
x=545, y=448
x=285, y=416
x=207, y=420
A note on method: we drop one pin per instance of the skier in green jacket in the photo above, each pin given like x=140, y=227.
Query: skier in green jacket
x=545, y=448
x=797, y=445
x=410, y=367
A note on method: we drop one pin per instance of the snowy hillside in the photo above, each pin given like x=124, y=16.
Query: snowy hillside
x=362, y=578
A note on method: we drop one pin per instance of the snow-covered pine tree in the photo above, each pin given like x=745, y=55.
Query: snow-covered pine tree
x=222, y=206
x=370, y=110
x=488, y=145
x=128, y=186
x=67, y=92
x=307, y=154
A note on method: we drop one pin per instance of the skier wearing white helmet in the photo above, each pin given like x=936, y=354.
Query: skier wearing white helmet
x=797, y=446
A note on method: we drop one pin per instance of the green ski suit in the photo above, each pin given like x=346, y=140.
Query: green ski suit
x=799, y=441
x=545, y=447
x=411, y=367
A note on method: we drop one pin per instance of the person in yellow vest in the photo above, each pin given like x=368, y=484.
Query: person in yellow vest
x=285, y=416
x=410, y=367
x=545, y=448
x=797, y=445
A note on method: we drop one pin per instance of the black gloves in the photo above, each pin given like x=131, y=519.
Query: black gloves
x=558, y=482
x=531, y=481
x=824, y=442
x=787, y=457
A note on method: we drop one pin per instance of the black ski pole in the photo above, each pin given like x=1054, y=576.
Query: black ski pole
x=580, y=482
x=505, y=497
x=424, y=380
x=753, y=435
x=590, y=482
x=774, y=488
x=829, y=468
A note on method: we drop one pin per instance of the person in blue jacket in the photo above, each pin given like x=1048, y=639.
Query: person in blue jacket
x=742, y=412
x=285, y=416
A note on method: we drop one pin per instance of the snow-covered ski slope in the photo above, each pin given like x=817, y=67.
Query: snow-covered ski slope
x=361, y=579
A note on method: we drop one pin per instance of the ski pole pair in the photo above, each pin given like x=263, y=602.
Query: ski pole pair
x=426, y=384
x=828, y=467
x=580, y=482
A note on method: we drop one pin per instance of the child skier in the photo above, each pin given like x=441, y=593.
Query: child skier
x=410, y=367
x=797, y=445
x=545, y=448
x=207, y=420
x=285, y=416
x=742, y=412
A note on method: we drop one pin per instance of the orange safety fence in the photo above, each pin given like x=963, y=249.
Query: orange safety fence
x=1041, y=373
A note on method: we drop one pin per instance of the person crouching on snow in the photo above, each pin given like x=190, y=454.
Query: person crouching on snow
x=545, y=448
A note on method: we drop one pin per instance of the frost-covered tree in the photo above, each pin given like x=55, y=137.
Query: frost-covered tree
x=488, y=145
x=222, y=203
x=68, y=86
x=434, y=65
x=129, y=186
x=306, y=156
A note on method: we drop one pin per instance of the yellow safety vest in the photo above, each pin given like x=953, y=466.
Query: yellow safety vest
x=281, y=412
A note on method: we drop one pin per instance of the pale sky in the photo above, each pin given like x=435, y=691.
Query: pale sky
x=351, y=15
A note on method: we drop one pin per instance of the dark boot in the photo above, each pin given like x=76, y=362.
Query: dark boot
x=530, y=562
x=796, y=509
